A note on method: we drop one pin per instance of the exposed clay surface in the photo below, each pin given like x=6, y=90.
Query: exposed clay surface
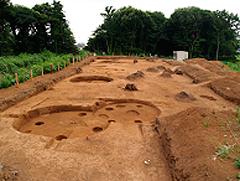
x=66, y=122
x=227, y=88
x=190, y=139
x=86, y=127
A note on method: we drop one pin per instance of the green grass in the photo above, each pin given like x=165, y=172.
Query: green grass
x=238, y=114
x=223, y=151
x=234, y=65
x=237, y=163
x=23, y=63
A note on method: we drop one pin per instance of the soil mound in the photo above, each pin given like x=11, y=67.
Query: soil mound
x=166, y=74
x=185, y=97
x=135, y=61
x=228, y=88
x=190, y=150
x=131, y=87
x=136, y=75
x=174, y=62
x=197, y=74
x=213, y=66
x=153, y=69
x=157, y=69
x=161, y=67
x=178, y=71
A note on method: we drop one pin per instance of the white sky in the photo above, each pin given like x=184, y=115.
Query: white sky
x=84, y=15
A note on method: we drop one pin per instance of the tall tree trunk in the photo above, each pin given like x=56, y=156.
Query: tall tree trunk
x=218, y=47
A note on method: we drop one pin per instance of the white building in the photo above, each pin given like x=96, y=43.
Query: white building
x=180, y=55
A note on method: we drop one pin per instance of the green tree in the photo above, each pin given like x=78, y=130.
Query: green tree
x=6, y=38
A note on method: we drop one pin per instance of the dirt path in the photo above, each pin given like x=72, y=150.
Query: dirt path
x=89, y=127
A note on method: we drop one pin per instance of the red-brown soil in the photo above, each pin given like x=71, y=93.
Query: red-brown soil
x=190, y=139
x=88, y=127
x=228, y=88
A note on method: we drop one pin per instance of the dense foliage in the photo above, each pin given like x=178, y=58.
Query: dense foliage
x=43, y=27
x=203, y=33
x=234, y=65
x=23, y=63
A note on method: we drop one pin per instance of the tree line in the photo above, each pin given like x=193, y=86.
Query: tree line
x=33, y=30
x=203, y=33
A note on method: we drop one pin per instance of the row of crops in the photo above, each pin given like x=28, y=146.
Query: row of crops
x=23, y=64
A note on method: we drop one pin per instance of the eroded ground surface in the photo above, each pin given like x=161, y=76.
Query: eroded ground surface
x=92, y=126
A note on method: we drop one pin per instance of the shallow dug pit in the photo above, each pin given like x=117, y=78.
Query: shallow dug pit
x=91, y=79
x=184, y=97
x=67, y=121
x=62, y=122
x=128, y=111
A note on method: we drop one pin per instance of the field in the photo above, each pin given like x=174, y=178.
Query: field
x=38, y=63
x=123, y=118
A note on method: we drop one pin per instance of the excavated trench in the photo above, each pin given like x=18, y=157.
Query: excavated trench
x=67, y=121
x=91, y=79
x=125, y=134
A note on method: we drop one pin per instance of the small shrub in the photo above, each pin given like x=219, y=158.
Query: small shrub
x=237, y=163
x=205, y=124
x=223, y=151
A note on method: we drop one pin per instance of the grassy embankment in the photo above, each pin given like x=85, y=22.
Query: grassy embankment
x=24, y=63
x=234, y=65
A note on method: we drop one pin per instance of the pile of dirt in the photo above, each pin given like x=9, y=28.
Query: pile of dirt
x=130, y=87
x=213, y=66
x=166, y=74
x=136, y=75
x=184, y=97
x=8, y=174
x=135, y=61
x=197, y=74
x=157, y=69
x=161, y=67
x=190, y=151
x=152, y=69
x=228, y=88
x=177, y=70
x=13, y=95
x=174, y=62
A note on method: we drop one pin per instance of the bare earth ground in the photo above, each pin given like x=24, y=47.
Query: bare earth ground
x=164, y=125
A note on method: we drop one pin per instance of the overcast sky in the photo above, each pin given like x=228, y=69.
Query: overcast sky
x=84, y=15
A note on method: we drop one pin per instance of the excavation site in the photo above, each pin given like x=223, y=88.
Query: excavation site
x=121, y=118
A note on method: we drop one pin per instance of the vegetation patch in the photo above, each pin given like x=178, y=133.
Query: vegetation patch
x=38, y=63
